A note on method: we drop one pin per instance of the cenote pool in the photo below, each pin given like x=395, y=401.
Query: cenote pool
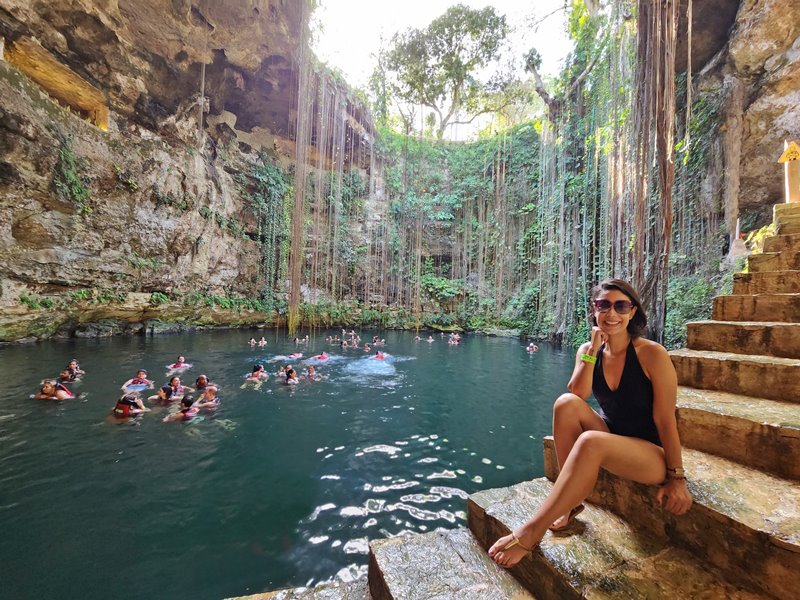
x=282, y=486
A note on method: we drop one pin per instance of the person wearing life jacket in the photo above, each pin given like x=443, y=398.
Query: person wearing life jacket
x=178, y=390
x=186, y=412
x=52, y=390
x=75, y=369
x=180, y=364
x=129, y=405
x=140, y=379
x=163, y=396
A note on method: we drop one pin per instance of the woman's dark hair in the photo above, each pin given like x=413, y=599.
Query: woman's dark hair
x=257, y=368
x=187, y=401
x=167, y=391
x=638, y=324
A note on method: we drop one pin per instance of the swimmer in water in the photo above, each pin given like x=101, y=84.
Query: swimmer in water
x=379, y=355
x=262, y=342
x=201, y=383
x=66, y=376
x=178, y=390
x=209, y=400
x=252, y=341
x=75, y=369
x=296, y=355
x=312, y=374
x=129, y=405
x=186, y=412
x=140, y=379
x=532, y=347
x=366, y=347
x=291, y=377
x=258, y=373
x=52, y=390
x=179, y=364
x=417, y=339
x=430, y=339
x=343, y=344
x=164, y=395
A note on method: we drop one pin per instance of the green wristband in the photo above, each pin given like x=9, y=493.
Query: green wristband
x=588, y=358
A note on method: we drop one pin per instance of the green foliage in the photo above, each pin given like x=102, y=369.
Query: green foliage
x=168, y=199
x=80, y=295
x=233, y=303
x=158, y=298
x=437, y=67
x=126, y=179
x=269, y=189
x=35, y=302
x=143, y=264
x=94, y=296
x=441, y=289
x=69, y=179
x=106, y=296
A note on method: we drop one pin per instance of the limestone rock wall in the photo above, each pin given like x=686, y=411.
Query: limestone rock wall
x=115, y=85
x=759, y=73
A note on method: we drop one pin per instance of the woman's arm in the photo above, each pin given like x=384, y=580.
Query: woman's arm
x=580, y=383
x=659, y=369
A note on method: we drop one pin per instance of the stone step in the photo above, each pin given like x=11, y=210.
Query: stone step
x=759, y=433
x=444, y=565
x=790, y=228
x=743, y=521
x=784, y=308
x=332, y=590
x=599, y=556
x=786, y=218
x=748, y=374
x=770, y=282
x=786, y=209
x=787, y=260
x=777, y=243
x=742, y=337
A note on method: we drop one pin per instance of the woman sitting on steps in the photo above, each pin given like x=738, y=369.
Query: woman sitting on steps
x=634, y=437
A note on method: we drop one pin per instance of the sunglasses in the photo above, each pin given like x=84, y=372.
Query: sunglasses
x=621, y=307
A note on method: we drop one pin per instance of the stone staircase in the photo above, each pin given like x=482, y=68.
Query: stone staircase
x=739, y=420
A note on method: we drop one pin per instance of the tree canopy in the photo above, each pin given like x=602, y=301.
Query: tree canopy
x=438, y=67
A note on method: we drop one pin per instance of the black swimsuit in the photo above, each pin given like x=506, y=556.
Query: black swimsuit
x=628, y=410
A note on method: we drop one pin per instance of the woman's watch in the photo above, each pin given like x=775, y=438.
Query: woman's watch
x=676, y=473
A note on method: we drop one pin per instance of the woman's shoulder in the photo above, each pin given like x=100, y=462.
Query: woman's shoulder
x=650, y=353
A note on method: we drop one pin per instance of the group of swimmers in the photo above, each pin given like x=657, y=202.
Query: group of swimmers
x=131, y=403
x=56, y=389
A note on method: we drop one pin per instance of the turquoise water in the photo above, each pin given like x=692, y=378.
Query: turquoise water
x=282, y=486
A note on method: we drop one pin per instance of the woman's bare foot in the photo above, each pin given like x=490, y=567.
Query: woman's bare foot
x=507, y=551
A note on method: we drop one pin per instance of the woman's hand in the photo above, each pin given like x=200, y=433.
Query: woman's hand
x=674, y=496
x=598, y=339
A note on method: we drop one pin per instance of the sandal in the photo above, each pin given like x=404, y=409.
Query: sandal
x=572, y=514
x=515, y=542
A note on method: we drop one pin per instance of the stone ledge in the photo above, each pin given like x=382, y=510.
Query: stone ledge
x=766, y=282
x=743, y=521
x=742, y=337
x=443, y=565
x=751, y=375
x=599, y=557
x=762, y=307
x=756, y=432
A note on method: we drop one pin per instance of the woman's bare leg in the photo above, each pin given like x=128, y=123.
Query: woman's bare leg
x=627, y=457
x=571, y=417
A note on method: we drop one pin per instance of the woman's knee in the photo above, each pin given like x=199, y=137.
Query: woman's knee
x=567, y=402
x=592, y=442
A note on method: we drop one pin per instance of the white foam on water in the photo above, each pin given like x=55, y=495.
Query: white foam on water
x=357, y=546
x=392, y=450
x=318, y=539
x=486, y=461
